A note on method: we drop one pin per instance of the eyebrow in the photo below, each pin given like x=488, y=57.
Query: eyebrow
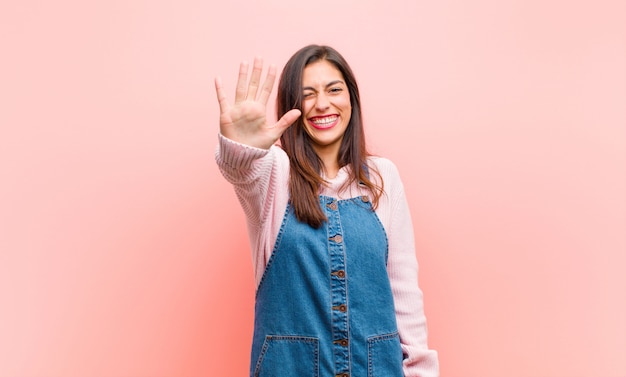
x=327, y=85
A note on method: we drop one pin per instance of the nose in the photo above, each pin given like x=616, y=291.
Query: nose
x=322, y=103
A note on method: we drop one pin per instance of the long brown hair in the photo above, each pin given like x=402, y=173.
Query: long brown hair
x=305, y=165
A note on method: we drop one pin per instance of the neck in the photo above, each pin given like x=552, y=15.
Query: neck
x=330, y=162
x=331, y=171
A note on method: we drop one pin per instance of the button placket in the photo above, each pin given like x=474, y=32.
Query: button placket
x=339, y=289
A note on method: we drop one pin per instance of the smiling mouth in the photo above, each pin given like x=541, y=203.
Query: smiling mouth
x=324, y=122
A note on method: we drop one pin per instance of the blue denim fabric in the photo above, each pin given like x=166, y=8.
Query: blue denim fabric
x=324, y=305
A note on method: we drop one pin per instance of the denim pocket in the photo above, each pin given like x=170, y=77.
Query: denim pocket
x=384, y=356
x=288, y=356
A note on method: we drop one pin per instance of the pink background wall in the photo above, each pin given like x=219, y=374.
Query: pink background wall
x=123, y=252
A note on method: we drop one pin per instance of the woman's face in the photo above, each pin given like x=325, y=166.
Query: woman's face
x=326, y=107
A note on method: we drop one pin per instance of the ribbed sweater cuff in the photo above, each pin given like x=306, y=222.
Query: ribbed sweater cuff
x=237, y=155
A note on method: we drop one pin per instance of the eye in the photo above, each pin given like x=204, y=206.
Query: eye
x=335, y=90
x=307, y=94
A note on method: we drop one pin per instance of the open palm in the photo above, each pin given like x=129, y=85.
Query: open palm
x=245, y=121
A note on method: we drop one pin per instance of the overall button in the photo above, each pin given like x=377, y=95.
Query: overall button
x=340, y=273
x=332, y=206
x=337, y=239
x=341, y=342
x=365, y=198
x=342, y=375
x=341, y=308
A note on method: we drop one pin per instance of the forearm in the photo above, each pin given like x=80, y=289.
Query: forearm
x=253, y=172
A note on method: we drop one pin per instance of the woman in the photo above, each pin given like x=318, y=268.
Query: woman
x=329, y=226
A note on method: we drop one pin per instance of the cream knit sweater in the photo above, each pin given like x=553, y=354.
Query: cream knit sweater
x=260, y=178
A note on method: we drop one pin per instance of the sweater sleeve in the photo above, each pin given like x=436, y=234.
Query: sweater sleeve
x=259, y=177
x=402, y=266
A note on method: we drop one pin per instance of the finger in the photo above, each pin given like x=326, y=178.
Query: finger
x=242, y=81
x=287, y=120
x=266, y=90
x=255, y=78
x=221, y=96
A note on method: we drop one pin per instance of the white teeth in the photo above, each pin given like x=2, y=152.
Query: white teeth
x=325, y=121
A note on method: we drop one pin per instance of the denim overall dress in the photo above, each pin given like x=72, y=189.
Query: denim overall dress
x=324, y=306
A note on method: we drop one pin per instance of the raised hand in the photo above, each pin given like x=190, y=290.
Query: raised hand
x=245, y=121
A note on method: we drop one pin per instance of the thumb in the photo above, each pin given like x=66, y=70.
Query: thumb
x=287, y=120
